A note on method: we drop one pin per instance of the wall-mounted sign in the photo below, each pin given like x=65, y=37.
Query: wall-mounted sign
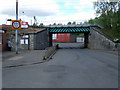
x=24, y=25
x=16, y=24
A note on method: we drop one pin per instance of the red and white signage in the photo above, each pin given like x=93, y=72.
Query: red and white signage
x=24, y=25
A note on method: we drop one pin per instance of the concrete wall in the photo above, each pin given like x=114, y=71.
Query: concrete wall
x=38, y=40
x=41, y=40
x=98, y=40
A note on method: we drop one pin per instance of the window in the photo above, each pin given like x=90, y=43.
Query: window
x=54, y=36
x=22, y=41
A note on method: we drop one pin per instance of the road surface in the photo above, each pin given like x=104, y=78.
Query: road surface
x=70, y=45
x=69, y=68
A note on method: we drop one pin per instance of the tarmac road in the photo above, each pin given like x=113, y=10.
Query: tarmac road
x=69, y=68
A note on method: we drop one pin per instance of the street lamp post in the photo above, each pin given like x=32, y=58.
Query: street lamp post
x=16, y=29
x=24, y=31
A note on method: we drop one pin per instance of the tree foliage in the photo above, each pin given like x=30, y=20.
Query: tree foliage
x=108, y=16
x=69, y=23
x=74, y=23
x=41, y=25
x=54, y=24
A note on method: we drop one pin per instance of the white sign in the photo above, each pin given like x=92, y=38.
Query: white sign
x=24, y=25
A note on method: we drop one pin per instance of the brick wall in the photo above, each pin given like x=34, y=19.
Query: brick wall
x=4, y=42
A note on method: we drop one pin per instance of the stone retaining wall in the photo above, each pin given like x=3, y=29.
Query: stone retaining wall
x=98, y=40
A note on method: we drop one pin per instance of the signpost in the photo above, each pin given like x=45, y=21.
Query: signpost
x=16, y=29
x=16, y=25
x=24, y=25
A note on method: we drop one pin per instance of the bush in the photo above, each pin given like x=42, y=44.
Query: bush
x=44, y=58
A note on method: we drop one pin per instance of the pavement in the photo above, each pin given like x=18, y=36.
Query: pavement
x=24, y=57
x=68, y=68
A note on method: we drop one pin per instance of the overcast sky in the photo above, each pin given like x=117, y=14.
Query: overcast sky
x=48, y=11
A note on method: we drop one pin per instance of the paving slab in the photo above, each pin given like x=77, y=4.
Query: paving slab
x=11, y=59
